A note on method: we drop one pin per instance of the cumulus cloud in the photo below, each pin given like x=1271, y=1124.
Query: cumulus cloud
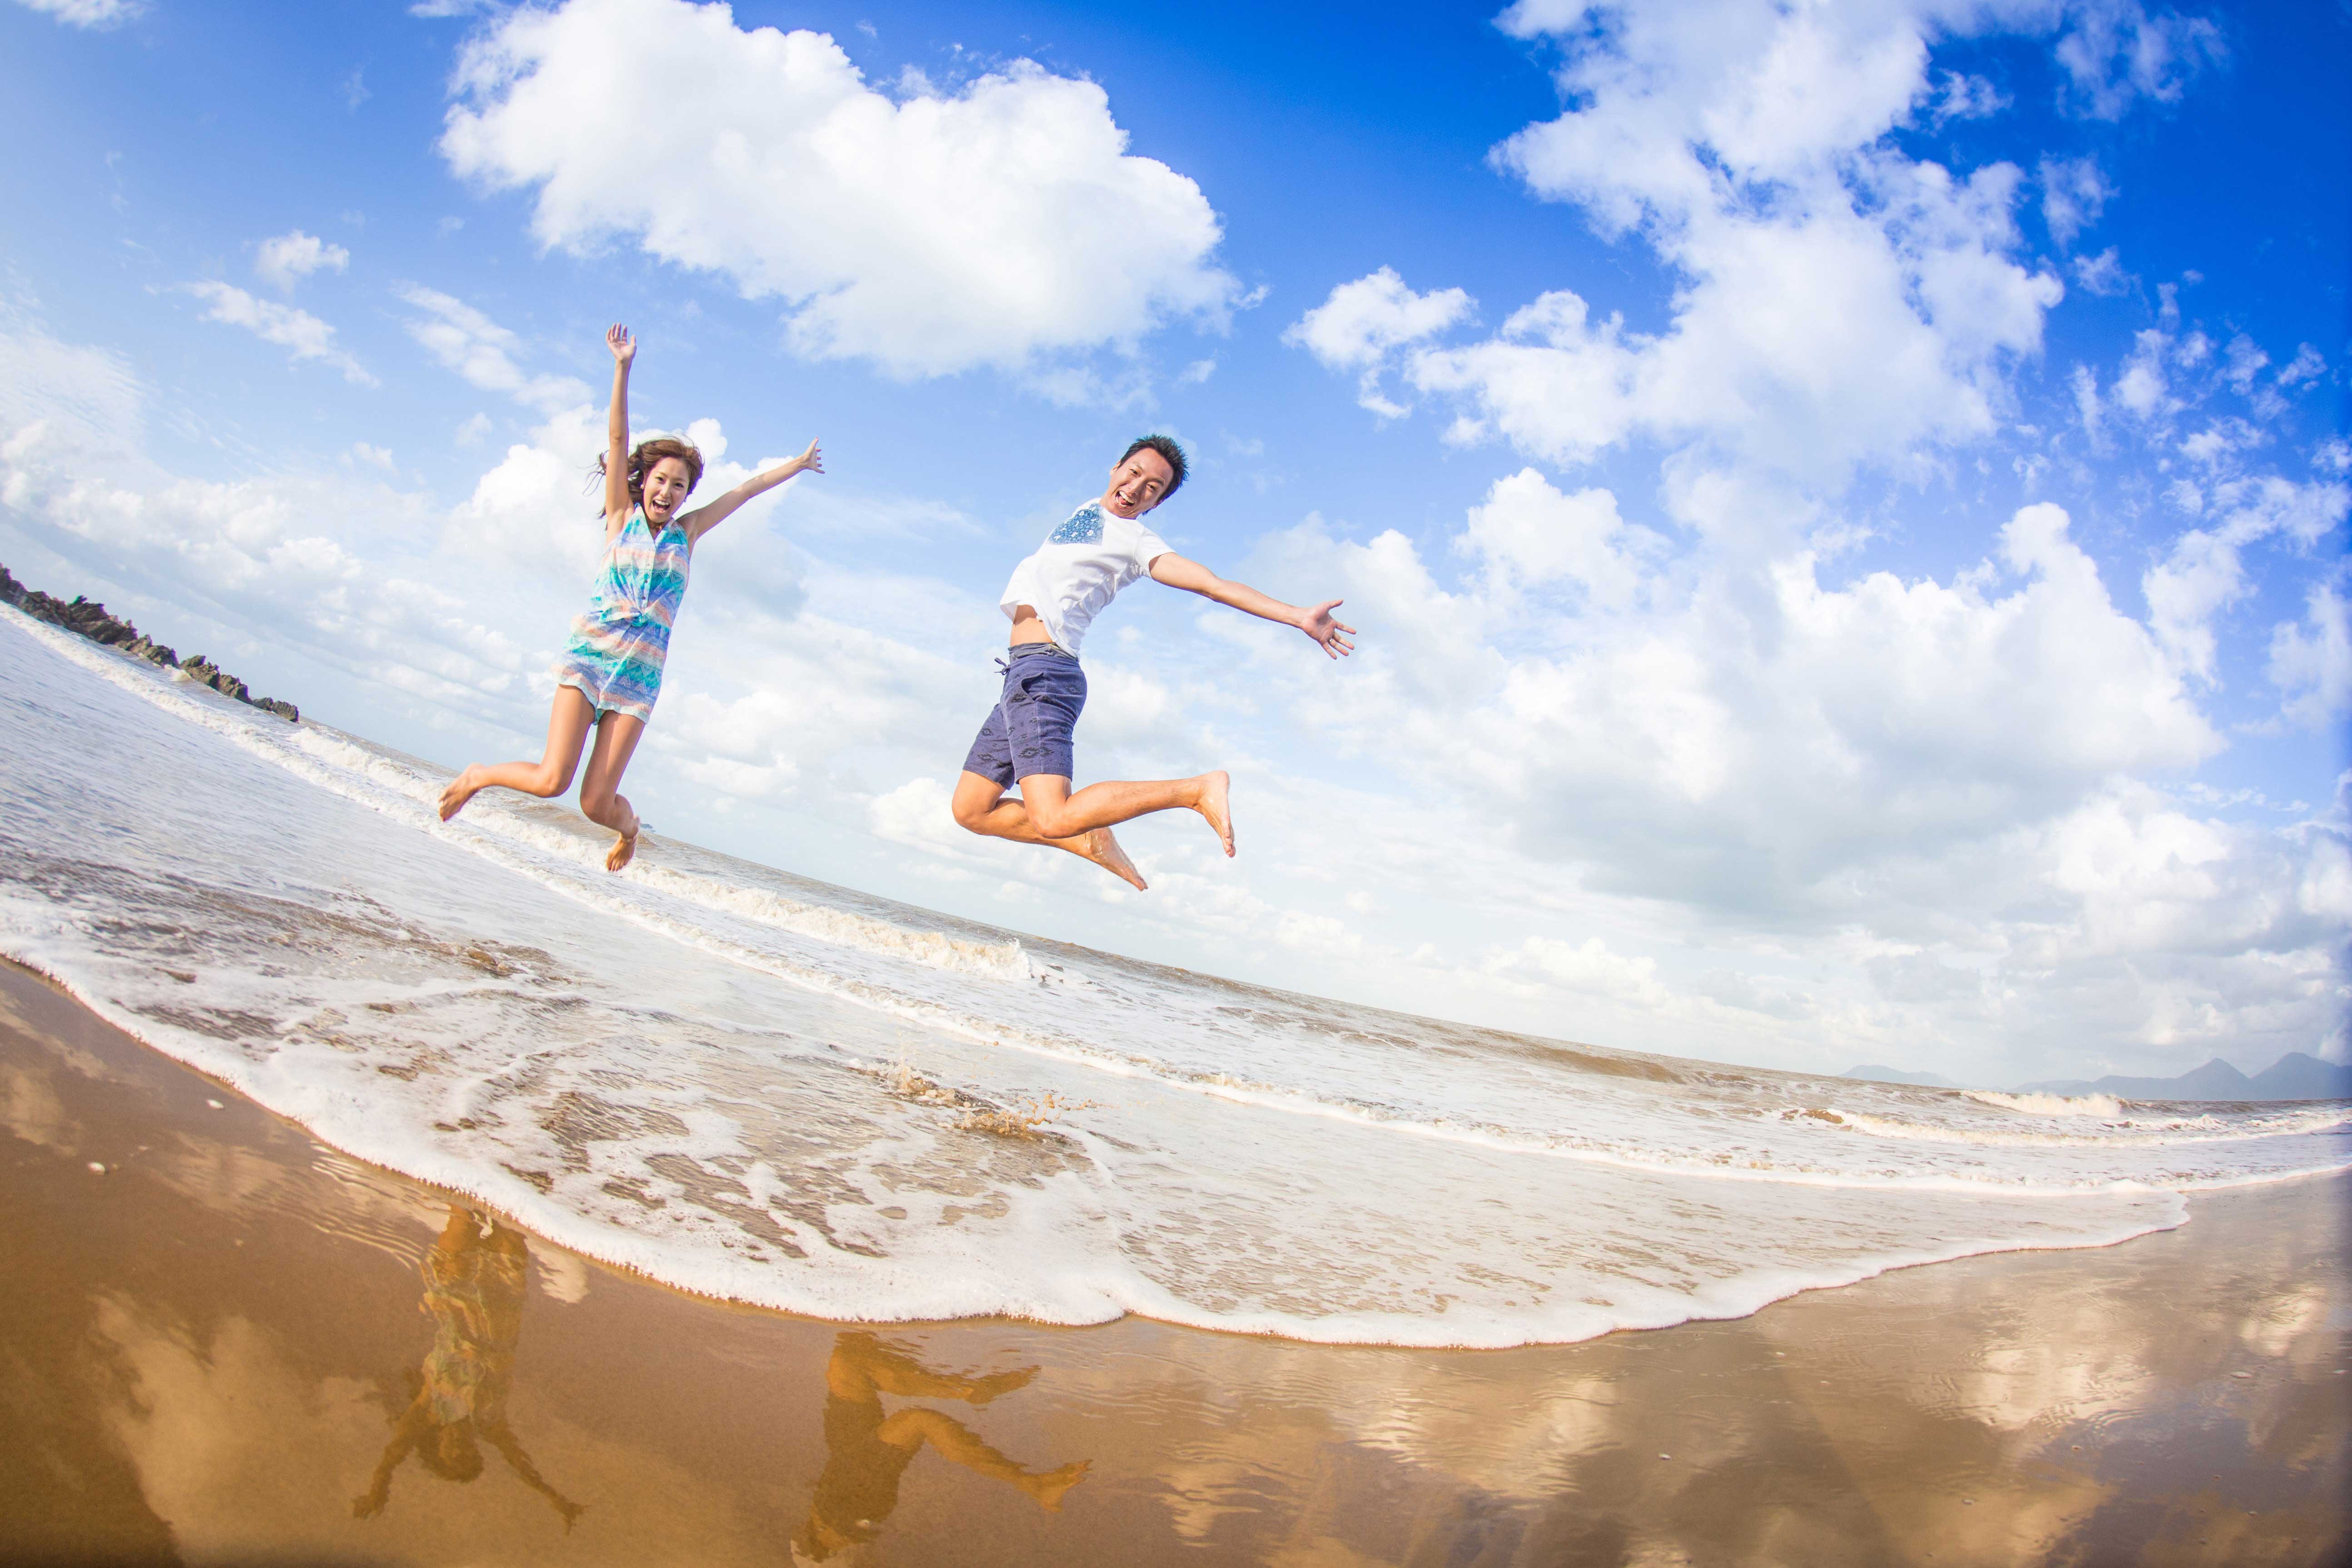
x=299, y=331
x=1526, y=532
x=2102, y=274
x=93, y=14
x=1836, y=303
x=1748, y=746
x=1361, y=322
x=1965, y=97
x=1001, y=224
x=465, y=340
x=2116, y=53
x=2311, y=661
x=2074, y=193
x=287, y=258
x=2204, y=571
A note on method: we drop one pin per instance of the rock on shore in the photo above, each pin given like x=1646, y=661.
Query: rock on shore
x=91, y=620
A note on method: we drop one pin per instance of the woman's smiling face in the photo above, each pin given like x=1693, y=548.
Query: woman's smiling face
x=667, y=483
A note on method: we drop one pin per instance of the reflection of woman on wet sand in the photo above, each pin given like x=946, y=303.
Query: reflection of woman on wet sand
x=866, y=1451
x=474, y=1279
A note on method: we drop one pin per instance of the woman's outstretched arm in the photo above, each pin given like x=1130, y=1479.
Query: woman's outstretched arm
x=1329, y=634
x=710, y=514
x=616, y=431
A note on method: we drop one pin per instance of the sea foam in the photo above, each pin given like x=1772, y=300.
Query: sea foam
x=754, y=1085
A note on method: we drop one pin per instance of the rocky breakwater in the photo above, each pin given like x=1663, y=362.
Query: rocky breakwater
x=93, y=621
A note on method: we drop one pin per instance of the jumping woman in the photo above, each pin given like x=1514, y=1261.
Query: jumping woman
x=611, y=670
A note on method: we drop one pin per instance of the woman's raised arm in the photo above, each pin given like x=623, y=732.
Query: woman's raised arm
x=710, y=514
x=616, y=429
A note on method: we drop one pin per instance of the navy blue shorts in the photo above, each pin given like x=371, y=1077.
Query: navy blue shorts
x=1028, y=731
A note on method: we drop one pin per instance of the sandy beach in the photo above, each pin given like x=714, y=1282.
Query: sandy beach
x=218, y=1327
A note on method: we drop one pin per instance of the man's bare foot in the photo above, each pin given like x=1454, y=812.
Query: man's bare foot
x=462, y=788
x=624, y=850
x=1052, y=1487
x=1216, y=804
x=1104, y=851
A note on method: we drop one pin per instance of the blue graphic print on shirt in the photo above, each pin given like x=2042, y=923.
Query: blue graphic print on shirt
x=1084, y=526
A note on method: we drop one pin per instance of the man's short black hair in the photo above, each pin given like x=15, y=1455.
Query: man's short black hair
x=1168, y=449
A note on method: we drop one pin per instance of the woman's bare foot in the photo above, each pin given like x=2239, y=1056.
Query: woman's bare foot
x=1216, y=804
x=462, y=788
x=624, y=848
x=1104, y=851
x=1052, y=1487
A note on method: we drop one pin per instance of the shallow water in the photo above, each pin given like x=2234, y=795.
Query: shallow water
x=761, y=1087
x=222, y=1336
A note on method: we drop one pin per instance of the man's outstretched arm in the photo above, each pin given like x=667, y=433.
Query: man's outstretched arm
x=1329, y=634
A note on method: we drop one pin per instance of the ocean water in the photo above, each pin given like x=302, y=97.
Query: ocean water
x=761, y=1087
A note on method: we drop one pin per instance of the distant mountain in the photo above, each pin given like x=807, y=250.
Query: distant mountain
x=2295, y=1076
x=1896, y=1075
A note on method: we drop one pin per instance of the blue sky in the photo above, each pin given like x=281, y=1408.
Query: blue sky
x=1845, y=505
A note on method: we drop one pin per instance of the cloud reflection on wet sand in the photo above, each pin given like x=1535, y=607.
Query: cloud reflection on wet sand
x=210, y=1330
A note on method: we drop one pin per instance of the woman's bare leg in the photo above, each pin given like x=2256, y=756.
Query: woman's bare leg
x=567, y=727
x=601, y=800
x=981, y=807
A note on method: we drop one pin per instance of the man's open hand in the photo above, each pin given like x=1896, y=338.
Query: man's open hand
x=1318, y=624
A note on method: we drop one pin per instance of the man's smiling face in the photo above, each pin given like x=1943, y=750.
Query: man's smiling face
x=1137, y=484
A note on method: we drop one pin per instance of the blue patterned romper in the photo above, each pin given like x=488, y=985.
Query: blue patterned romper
x=619, y=642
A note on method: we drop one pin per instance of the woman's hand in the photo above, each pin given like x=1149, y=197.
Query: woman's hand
x=624, y=346
x=809, y=462
x=1318, y=624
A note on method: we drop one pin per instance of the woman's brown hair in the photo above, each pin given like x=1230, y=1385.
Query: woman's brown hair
x=648, y=453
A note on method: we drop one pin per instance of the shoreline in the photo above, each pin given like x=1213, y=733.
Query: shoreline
x=606, y=1255
x=216, y=1334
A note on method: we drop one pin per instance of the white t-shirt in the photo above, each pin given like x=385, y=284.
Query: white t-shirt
x=1080, y=568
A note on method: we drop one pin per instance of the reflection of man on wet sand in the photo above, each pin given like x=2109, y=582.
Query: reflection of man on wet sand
x=866, y=1451
x=474, y=1279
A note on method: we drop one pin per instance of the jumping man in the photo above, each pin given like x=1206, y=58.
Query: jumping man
x=1053, y=597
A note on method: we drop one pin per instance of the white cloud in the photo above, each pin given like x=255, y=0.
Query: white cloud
x=465, y=340
x=2204, y=573
x=1750, y=744
x=1588, y=968
x=1004, y=224
x=2311, y=662
x=2074, y=193
x=95, y=14
x=1362, y=323
x=2102, y=274
x=287, y=258
x=1964, y=97
x=2115, y=53
x=1836, y=303
x=2308, y=364
x=298, y=331
x=1527, y=532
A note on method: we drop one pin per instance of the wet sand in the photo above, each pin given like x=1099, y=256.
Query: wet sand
x=234, y=1345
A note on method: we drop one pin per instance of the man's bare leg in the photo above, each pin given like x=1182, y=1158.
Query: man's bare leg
x=567, y=727
x=951, y=1439
x=981, y=806
x=1054, y=809
x=601, y=800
